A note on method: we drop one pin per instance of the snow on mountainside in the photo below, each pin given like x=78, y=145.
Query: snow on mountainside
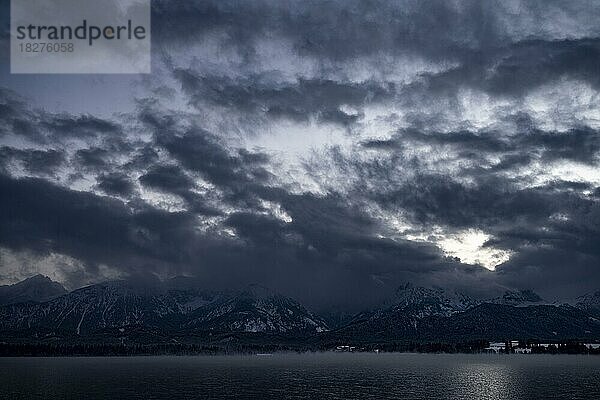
x=589, y=302
x=178, y=307
x=38, y=288
x=256, y=309
x=589, y=299
x=418, y=313
x=422, y=302
x=411, y=304
x=170, y=306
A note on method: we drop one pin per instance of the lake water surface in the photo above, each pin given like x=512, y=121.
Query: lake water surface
x=315, y=376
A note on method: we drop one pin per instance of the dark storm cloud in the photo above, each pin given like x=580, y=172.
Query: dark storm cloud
x=518, y=68
x=436, y=199
x=511, y=161
x=34, y=161
x=559, y=257
x=18, y=118
x=142, y=158
x=236, y=173
x=349, y=29
x=172, y=179
x=580, y=144
x=326, y=224
x=199, y=151
x=115, y=184
x=43, y=217
x=166, y=177
x=37, y=214
x=81, y=126
x=93, y=158
x=297, y=101
x=15, y=118
x=479, y=141
x=488, y=198
x=530, y=64
x=498, y=47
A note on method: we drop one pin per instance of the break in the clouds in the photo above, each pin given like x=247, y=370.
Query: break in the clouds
x=328, y=150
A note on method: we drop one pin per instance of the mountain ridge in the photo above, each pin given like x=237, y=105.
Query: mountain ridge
x=38, y=288
x=121, y=304
x=178, y=308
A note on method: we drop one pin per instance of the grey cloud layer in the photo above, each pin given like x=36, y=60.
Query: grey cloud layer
x=497, y=100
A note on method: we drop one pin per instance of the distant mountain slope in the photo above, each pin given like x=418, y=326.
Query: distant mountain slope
x=544, y=322
x=518, y=298
x=434, y=314
x=170, y=307
x=411, y=303
x=38, y=288
x=255, y=309
x=589, y=303
x=486, y=321
x=424, y=302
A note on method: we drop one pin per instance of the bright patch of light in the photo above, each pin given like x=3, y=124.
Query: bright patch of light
x=229, y=232
x=469, y=247
x=541, y=173
x=300, y=138
x=553, y=111
x=561, y=217
x=276, y=211
x=380, y=121
x=164, y=201
x=477, y=108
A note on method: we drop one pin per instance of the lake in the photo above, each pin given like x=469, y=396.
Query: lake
x=293, y=376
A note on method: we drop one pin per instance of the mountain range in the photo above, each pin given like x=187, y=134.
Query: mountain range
x=435, y=314
x=177, y=309
x=174, y=306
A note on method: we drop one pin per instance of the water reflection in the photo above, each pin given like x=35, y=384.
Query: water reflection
x=491, y=381
x=321, y=376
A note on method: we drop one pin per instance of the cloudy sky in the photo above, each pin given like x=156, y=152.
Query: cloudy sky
x=329, y=150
